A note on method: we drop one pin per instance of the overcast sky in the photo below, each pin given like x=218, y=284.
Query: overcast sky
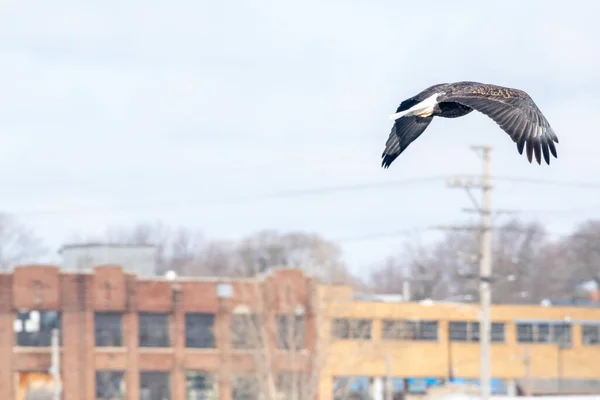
x=186, y=111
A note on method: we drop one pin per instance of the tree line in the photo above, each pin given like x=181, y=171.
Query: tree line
x=530, y=264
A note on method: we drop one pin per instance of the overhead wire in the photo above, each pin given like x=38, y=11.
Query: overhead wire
x=234, y=200
x=323, y=190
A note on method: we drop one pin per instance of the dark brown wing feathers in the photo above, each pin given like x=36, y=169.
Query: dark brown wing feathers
x=515, y=112
x=404, y=131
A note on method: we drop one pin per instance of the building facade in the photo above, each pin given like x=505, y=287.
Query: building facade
x=127, y=338
x=534, y=349
x=123, y=337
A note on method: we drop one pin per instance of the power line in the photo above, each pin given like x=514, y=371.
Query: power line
x=418, y=230
x=239, y=200
x=550, y=182
x=233, y=200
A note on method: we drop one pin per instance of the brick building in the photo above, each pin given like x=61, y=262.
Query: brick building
x=123, y=337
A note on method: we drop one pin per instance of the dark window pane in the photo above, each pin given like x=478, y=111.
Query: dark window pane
x=498, y=332
x=428, y=331
x=199, y=330
x=154, y=330
x=458, y=331
x=155, y=386
x=200, y=386
x=590, y=334
x=110, y=385
x=34, y=328
x=524, y=333
x=108, y=329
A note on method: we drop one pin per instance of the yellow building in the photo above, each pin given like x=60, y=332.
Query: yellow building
x=534, y=348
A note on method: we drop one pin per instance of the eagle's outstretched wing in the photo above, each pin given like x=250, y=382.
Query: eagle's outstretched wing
x=404, y=131
x=514, y=111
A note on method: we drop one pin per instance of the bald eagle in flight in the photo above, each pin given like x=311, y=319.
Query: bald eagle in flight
x=512, y=109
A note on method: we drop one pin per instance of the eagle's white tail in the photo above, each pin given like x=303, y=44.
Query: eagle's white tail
x=425, y=107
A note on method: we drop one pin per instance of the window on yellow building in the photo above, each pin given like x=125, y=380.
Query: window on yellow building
x=351, y=328
x=590, y=334
x=422, y=330
x=544, y=332
x=464, y=331
x=498, y=329
x=351, y=388
x=409, y=330
x=460, y=331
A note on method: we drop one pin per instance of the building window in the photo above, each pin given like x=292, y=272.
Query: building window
x=108, y=329
x=244, y=387
x=590, y=334
x=355, y=387
x=525, y=333
x=110, y=385
x=545, y=332
x=200, y=386
x=34, y=328
x=469, y=332
x=392, y=329
x=293, y=385
x=460, y=331
x=199, y=331
x=498, y=329
x=246, y=331
x=154, y=330
x=291, y=332
x=155, y=386
x=352, y=329
x=422, y=330
x=409, y=330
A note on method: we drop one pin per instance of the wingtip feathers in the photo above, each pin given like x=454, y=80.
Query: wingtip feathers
x=538, y=148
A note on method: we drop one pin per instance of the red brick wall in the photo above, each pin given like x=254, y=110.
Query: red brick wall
x=36, y=288
x=6, y=337
x=109, y=288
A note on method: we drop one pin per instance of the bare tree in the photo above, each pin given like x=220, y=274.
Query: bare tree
x=428, y=269
x=287, y=329
x=527, y=266
x=179, y=249
x=264, y=250
x=18, y=244
x=188, y=252
x=274, y=324
x=309, y=252
x=389, y=277
x=582, y=248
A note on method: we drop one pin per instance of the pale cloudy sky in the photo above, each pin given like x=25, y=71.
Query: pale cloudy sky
x=187, y=111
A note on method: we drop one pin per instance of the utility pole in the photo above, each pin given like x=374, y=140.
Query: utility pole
x=485, y=261
x=55, y=368
x=388, y=381
x=486, y=273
